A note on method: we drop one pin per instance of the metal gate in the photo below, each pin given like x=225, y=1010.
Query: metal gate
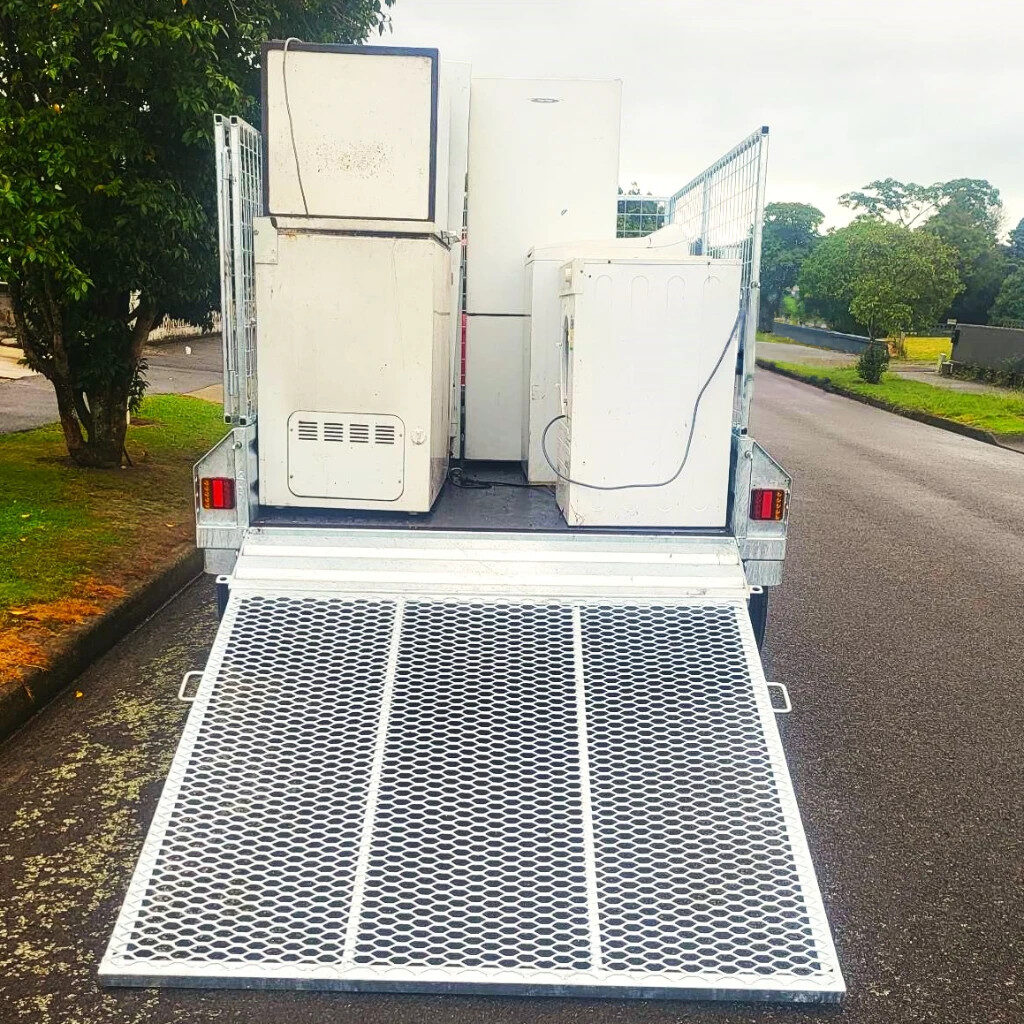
x=239, y=157
x=476, y=785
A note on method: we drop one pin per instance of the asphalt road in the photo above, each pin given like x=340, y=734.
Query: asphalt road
x=30, y=402
x=898, y=630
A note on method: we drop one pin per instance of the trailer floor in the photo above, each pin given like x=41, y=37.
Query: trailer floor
x=503, y=502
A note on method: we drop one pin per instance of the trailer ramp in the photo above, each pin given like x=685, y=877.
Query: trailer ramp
x=497, y=764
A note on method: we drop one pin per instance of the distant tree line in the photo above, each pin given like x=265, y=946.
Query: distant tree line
x=914, y=257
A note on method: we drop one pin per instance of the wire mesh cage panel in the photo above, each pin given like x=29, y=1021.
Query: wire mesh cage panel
x=239, y=157
x=721, y=212
x=640, y=215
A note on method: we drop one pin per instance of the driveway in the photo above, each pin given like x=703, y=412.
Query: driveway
x=898, y=632
x=29, y=401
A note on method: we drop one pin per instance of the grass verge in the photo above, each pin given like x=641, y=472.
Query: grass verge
x=998, y=414
x=74, y=541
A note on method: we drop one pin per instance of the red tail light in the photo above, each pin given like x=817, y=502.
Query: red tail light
x=767, y=505
x=217, y=492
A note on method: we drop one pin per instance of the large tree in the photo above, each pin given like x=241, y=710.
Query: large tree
x=981, y=262
x=880, y=277
x=1008, y=309
x=107, y=200
x=909, y=205
x=789, y=237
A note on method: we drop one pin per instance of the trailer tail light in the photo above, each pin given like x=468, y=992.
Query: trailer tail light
x=767, y=505
x=217, y=492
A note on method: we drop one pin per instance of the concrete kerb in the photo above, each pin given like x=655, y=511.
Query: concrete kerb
x=21, y=699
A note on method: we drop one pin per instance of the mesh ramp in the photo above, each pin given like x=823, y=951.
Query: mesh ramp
x=480, y=793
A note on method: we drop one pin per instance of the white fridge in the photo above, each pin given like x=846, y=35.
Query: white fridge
x=543, y=169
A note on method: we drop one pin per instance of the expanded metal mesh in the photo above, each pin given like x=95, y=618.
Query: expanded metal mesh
x=239, y=158
x=681, y=775
x=488, y=796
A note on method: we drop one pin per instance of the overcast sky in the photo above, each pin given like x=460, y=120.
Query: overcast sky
x=920, y=90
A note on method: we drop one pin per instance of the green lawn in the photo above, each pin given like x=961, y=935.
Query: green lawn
x=999, y=414
x=928, y=350
x=68, y=534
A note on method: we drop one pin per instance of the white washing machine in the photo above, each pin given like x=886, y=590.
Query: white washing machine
x=641, y=341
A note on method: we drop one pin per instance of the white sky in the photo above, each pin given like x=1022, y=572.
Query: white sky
x=854, y=90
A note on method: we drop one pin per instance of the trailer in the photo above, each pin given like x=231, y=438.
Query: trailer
x=485, y=711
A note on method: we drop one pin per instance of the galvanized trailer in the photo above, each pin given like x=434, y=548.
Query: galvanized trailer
x=474, y=749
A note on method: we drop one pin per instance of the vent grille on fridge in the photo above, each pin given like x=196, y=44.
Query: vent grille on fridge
x=346, y=456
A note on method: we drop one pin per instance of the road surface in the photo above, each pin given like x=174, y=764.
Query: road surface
x=30, y=402
x=898, y=631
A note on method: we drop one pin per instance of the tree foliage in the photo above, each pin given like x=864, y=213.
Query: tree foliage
x=880, y=277
x=981, y=263
x=107, y=201
x=1017, y=241
x=789, y=237
x=873, y=362
x=1008, y=309
x=908, y=204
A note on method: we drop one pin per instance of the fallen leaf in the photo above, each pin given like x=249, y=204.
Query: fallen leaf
x=101, y=591
x=78, y=693
x=17, y=654
x=67, y=610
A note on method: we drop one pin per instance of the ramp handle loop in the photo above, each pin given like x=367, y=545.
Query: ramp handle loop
x=185, y=680
x=787, y=704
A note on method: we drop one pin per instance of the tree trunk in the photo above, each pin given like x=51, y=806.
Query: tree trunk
x=109, y=413
x=94, y=422
x=95, y=425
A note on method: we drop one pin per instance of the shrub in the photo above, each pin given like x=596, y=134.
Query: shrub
x=873, y=362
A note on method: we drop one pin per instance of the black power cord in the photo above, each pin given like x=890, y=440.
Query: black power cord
x=457, y=476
